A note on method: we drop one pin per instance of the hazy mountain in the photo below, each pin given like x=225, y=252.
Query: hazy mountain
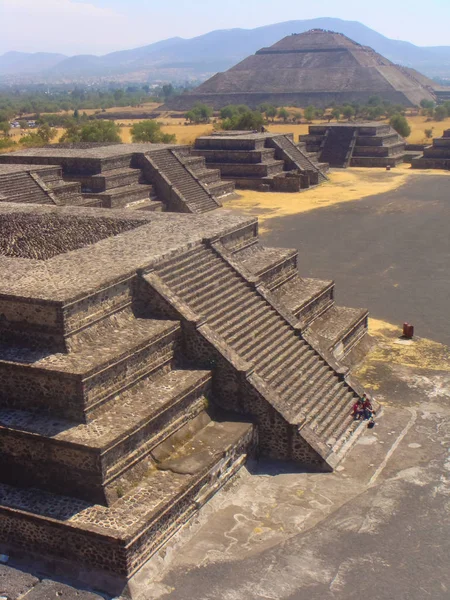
x=200, y=57
x=24, y=62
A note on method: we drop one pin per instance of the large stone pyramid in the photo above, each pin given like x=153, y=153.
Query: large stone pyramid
x=317, y=67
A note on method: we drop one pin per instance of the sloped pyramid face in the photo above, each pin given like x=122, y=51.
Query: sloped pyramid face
x=317, y=67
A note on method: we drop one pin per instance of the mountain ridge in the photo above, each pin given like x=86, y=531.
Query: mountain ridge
x=179, y=59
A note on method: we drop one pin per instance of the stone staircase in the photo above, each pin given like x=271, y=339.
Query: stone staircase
x=336, y=329
x=210, y=178
x=356, y=144
x=21, y=187
x=175, y=181
x=304, y=390
x=108, y=448
x=337, y=146
x=293, y=154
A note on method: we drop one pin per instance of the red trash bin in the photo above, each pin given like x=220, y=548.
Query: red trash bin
x=408, y=331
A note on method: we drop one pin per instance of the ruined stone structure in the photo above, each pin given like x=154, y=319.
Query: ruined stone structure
x=317, y=67
x=356, y=144
x=38, y=184
x=148, y=177
x=264, y=161
x=436, y=156
x=143, y=358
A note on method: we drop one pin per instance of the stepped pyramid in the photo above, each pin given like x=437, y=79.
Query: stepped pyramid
x=144, y=357
x=317, y=67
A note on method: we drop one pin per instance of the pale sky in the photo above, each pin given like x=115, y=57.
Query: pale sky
x=101, y=26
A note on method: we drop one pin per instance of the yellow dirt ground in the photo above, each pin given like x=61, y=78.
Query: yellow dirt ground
x=392, y=350
x=347, y=185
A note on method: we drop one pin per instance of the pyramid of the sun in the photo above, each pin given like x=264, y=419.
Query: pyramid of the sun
x=317, y=67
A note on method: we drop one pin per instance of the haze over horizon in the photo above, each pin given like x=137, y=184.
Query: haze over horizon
x=109, y=25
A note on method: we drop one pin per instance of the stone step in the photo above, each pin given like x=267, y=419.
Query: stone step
x=146, y=205
x=345, y=427
x=264, y=169
x=97, y=461
x=232, y=311
x=170, y=270
x=208, y=176
x=308, y=360
x=120, y=538
x=270, y=264
x=240, y=326
x=263, y=341
x=302, y=391
x=78, y=386
x=221, y=188
x=287, y=358
x=221, y=281
x=121, y=196
x=194, y=272
x=113, y=179
x=326, y=388
x=338, y=412
x=306, y=298
x=239, y=336
x=203, y=279
x=220, y=303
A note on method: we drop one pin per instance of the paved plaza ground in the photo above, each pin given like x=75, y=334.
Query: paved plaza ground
x=377, y=528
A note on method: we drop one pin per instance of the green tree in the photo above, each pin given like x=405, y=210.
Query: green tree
x=150, y=131
x=310, y=113
x=401, y=125
x=76, y=114
x=283, y=114
x=271, y=112
x=348, y=112
x=297, y=116
x=251, y=120
x=429, y=133
x=228, y=112
x=23, y=124
x=427, y=103
x=46, y=133
x=93, y=131
x=336, y=113
x=5, y=127
x=440, y=113
x=200, y=113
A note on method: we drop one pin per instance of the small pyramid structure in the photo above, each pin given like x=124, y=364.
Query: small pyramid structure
x=316, y=67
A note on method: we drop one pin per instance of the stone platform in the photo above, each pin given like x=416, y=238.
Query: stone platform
x=262, y=161
x=143, y=358
x=356, y=144
x=143, y=177
x=436, y=156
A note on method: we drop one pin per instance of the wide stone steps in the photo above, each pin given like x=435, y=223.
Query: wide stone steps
x=116, y=178
x=92, y=375
x=99, y=460
x=120, y=538
x=220, y=188
x=338, y=146
x=122, y=196
x=193, y=193
x=301, y=159
x=253, y=329
x=21, y=187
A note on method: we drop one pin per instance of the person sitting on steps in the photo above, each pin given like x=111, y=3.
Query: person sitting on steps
x=367, y=408
x=358, y=409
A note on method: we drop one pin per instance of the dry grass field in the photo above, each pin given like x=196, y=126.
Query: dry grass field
x=187, y=134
